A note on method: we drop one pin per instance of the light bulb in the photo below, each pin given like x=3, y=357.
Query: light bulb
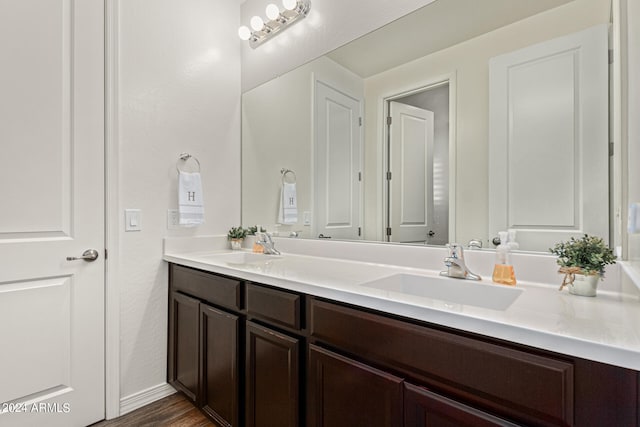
x=257, y=23
x=289, y=4
x=244, y=32
x=272, y=11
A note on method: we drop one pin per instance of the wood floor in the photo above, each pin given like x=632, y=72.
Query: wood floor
x=174, y=410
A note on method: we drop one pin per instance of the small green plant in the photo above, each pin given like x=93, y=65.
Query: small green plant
x=251, y=231
x=589, y=253
x=236, y=233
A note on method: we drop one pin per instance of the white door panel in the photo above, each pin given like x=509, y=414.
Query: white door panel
x=52, y=183
x=411, y=165
x=548, y=144
x=338, y=160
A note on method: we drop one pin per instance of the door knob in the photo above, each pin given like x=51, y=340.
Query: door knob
x=89, y=255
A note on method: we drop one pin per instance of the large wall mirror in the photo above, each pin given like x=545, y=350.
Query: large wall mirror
x=452, y=123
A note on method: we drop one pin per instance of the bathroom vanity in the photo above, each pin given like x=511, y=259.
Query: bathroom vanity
x=297, y=340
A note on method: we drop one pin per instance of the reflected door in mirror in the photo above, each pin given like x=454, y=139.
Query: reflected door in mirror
x=411, y=165
x=338, y=164
x=548, y=174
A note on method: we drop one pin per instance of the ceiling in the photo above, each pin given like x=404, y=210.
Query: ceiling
x=434, y=27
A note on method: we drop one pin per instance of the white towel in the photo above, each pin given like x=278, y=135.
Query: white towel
x=190, y=200
x=288, y=213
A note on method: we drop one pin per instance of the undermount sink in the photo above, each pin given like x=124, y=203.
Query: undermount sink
x=241, y=257
x=454, y=291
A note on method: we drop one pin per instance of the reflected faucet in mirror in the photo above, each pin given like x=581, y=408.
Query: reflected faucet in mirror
x=456, y=266
x=475, y=244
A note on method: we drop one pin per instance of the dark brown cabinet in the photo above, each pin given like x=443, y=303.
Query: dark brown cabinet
x=204, y=342
x=272, y=393
x=256, y=355
x=347, y=393
x=532, y=388
x=183, y=344
x=219, y=365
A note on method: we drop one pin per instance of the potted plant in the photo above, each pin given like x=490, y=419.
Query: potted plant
x=582, y=261
x=235, y=236
x=251, y=231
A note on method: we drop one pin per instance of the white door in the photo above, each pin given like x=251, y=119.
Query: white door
x=338, y=164
x=411, y=135
x=52, y=189
x=548, y=140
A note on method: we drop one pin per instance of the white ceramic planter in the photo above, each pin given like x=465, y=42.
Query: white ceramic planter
x=236, y=244
x=585, y=286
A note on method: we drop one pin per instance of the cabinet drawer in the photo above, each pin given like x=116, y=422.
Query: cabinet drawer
x=215, y=289
x=274, y=306
x=424, y=408
x=535, y=389
x=346, y=393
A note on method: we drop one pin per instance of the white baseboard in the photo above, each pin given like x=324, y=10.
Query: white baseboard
x=144, y=397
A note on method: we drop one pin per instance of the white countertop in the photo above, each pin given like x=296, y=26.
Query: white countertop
x=604, y=329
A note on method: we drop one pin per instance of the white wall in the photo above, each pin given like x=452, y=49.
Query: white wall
x=469, y=62
x=275, y=138
x=330, y=24
x=177, y=89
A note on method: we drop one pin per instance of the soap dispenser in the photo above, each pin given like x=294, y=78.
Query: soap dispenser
x=511, y=241
x=503, y=270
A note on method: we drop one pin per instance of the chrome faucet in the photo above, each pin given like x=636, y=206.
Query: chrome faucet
x=456, y=266
x=267, y=244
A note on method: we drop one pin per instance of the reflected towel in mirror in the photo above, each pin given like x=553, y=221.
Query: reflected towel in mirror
x=288, y=213
x=190, y=199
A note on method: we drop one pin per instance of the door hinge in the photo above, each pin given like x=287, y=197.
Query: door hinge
x=611, y=149
x=360, y=121
x=389, y=120
x=610, y=56
x=106, y=254
x=359, y=176
x=359, y=231
x=388, y=231
x=388, y=175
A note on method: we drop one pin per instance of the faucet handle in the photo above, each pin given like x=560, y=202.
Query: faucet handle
x=455, y=250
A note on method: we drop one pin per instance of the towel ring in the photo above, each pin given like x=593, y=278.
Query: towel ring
x=286, y=172
x=185, y=157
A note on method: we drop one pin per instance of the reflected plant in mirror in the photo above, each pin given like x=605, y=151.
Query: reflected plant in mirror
x=500, y=122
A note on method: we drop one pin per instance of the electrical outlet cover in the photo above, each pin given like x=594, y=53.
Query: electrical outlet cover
x=172, y=218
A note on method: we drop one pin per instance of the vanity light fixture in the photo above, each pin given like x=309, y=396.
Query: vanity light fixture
x=294, y=10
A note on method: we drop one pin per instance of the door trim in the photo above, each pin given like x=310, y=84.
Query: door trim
x=383, y=137
x=111, y=158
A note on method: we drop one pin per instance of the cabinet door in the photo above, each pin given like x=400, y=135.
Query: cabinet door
x=219, y=365
x=183, y=344
x=424, y=408
x=343, y=392
x=272, y=378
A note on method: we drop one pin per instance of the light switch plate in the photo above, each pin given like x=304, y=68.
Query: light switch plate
x=132, y=220
x=172, y=219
